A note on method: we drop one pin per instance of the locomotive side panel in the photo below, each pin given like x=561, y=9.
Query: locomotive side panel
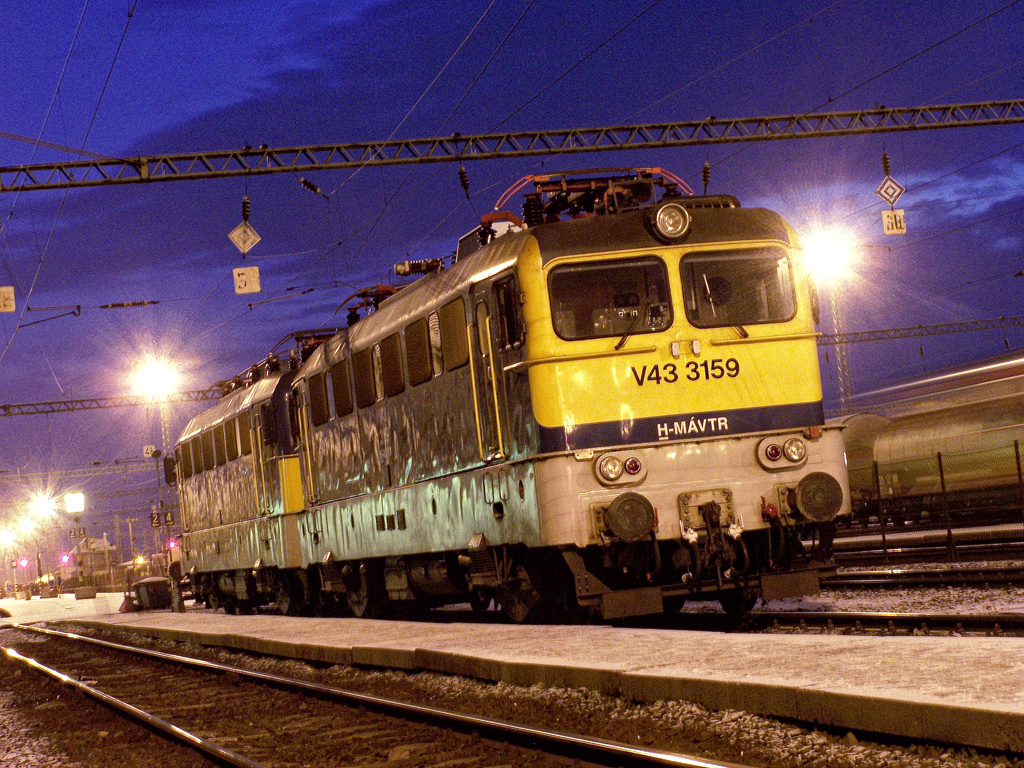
x=434, y=517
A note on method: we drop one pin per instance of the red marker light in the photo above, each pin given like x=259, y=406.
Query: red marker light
x=172, y=543
x=65, y=559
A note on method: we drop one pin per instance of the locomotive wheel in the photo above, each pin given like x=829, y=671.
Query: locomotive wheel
x=366, y=596
x=288, y=596
x=737, y=603
x=480, y=601
x=519, y=596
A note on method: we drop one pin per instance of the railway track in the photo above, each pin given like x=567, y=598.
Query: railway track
x=930, y=546
x=252, y=719
x=983, y=577
x=890, y=623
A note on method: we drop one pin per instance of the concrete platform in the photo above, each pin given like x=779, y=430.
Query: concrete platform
x=960, y=690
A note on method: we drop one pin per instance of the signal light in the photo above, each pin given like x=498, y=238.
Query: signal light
x=172, y=543
x=23, y=562
x=65, y=559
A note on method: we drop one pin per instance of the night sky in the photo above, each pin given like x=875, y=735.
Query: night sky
x=193, y=76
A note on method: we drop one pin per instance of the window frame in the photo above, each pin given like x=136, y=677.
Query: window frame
x=632, y=328
x=693, y=317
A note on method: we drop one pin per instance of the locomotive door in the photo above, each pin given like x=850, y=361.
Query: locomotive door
x=489, y=395
x=259, y=460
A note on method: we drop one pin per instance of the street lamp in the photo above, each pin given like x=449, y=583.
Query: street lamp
x=156, y=378
x=74, y=503
x=831, y=255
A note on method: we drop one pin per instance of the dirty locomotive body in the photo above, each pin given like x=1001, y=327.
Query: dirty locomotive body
x=610, y=408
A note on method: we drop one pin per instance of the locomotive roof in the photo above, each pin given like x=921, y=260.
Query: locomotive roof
x=237, y=401
x=626, y=231
x=590, y=234
x=426, y=294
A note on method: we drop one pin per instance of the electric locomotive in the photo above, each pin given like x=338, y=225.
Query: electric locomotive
x=607, y=406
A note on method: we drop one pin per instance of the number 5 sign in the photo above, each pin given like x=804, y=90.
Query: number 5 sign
x=247, y=280
x=6, y=298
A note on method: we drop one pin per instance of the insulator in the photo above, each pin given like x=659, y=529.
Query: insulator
x=353, y=316
x=485, y=235
x=533, y=210
x=246, y=208
x=706, y=174
x=464, y=180
x=886, y=167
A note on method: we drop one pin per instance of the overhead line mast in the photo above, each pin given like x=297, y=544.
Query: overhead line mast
x=458, y=148
x=88, y=404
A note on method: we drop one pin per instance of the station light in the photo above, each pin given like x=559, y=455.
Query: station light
x=830, y=254
x=155, y=377
x=42, y=506
x=74, y=503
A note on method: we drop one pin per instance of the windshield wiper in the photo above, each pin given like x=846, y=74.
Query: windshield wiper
x=642, y=313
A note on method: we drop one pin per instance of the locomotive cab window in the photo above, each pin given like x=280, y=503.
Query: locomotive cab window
x=610, y=298
x=739, y=287
x=509, y=313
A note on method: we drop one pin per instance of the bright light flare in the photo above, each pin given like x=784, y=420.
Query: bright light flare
x=74, y=503
x=27, y=526
x=830, y=254
x=42, y=507
x=155, y=377
x=6, y=539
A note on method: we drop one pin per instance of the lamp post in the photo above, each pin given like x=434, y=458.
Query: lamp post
x=830, y=255
x=74, y=505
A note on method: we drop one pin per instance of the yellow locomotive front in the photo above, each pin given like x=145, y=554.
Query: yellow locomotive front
x=673, y=375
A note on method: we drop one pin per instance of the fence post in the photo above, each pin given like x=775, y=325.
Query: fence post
x=881, y=512
x=945, y=510
x=1020, y=476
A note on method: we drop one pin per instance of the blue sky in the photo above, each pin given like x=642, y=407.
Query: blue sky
x=193, y=76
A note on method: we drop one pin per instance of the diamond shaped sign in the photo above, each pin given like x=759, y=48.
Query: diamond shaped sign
x=244, y=237
x=889, y=190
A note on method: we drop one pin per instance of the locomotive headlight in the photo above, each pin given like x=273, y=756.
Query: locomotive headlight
x=795, y=449
x=610, y=468
x=669, y=221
